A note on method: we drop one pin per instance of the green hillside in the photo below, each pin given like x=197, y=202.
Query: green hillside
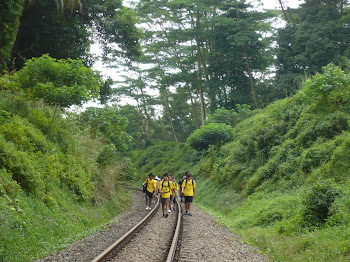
x=283, y=181
x=253, y=97
x=54, y=187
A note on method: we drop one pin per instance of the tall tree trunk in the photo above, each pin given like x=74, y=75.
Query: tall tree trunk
x=284, y=12
x=203, y=113
x=200, y=62
x=247, y=63
x=201, y=92
x=194, y=111
x=342, y=6
x=142, y=124
x=169, y=113
x=148, y=118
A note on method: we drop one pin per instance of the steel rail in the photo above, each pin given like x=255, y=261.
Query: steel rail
x=121, y=240
x=173, y=247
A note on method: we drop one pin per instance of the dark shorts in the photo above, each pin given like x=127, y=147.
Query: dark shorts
x=171, y=197
x=188, y=199
x=174, y=200
x=149, y=194
x=165, y=201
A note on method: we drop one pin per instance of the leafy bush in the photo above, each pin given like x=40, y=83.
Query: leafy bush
x=108, y=122
x=211, y=134
x=59, y=82
x=329, y=90
x=21, y=165
x=318, y=201
x=8, y=187
x=229, y=117
x=107, y=155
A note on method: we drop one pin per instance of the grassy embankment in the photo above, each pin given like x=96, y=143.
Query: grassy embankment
x=52, y=191
x=282, y=184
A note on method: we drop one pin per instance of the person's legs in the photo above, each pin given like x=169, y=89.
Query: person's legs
x=190, y=199
x=150, y=200
x=146, y=197
x=170, y=202
x=164, y=206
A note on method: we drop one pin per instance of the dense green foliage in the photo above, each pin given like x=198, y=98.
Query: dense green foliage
x=317, y=34
x=283, y=181
x=317, y=203
x=276, y=175
x=329, y=90
x=211, y=134
x=67, y=30
x=229, y=117
x=10, y=12
x=109, y=123
x=57, y=185
x=61, y=83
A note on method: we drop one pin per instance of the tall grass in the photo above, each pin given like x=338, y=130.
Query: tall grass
x=52, y=190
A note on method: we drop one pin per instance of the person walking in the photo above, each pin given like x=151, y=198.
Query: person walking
x=188, y=188
x=176, y=189
x=151, y=189
x=181, y=193
x=170, y=178
x=165, y=187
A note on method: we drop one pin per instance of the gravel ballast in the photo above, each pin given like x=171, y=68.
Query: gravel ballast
x=90, y=247
x=203, y=239
x=206, y=240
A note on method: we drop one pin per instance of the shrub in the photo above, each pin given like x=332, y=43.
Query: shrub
x=107, y=155
x=8, y=187
x=229, y=117
x=21, y=165
x=328, y=90
x=212, y=134
x=318, y=201
x=222, y=115
x=59, y=82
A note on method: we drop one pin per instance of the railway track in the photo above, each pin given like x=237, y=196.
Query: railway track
x=122, y=243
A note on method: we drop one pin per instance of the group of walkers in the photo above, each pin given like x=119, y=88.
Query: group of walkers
x=169, y=191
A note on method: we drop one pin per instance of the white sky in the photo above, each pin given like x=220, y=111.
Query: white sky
x=115, y=73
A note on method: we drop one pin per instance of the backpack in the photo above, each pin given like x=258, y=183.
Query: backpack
x=167, y=186
x=144, y=187
x=186, y=181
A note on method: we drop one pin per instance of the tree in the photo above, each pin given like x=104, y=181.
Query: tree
x=320, y=35
x=240, y=54
x=135, y=87
x=108, y=122
x=61, y=83
x=213, y=49
x=10, y=12
x=106, y=91
x=68, y=33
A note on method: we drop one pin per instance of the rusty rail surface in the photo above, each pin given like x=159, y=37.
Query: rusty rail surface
x=173, y=247
x=121, y=241
x=124, y=238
